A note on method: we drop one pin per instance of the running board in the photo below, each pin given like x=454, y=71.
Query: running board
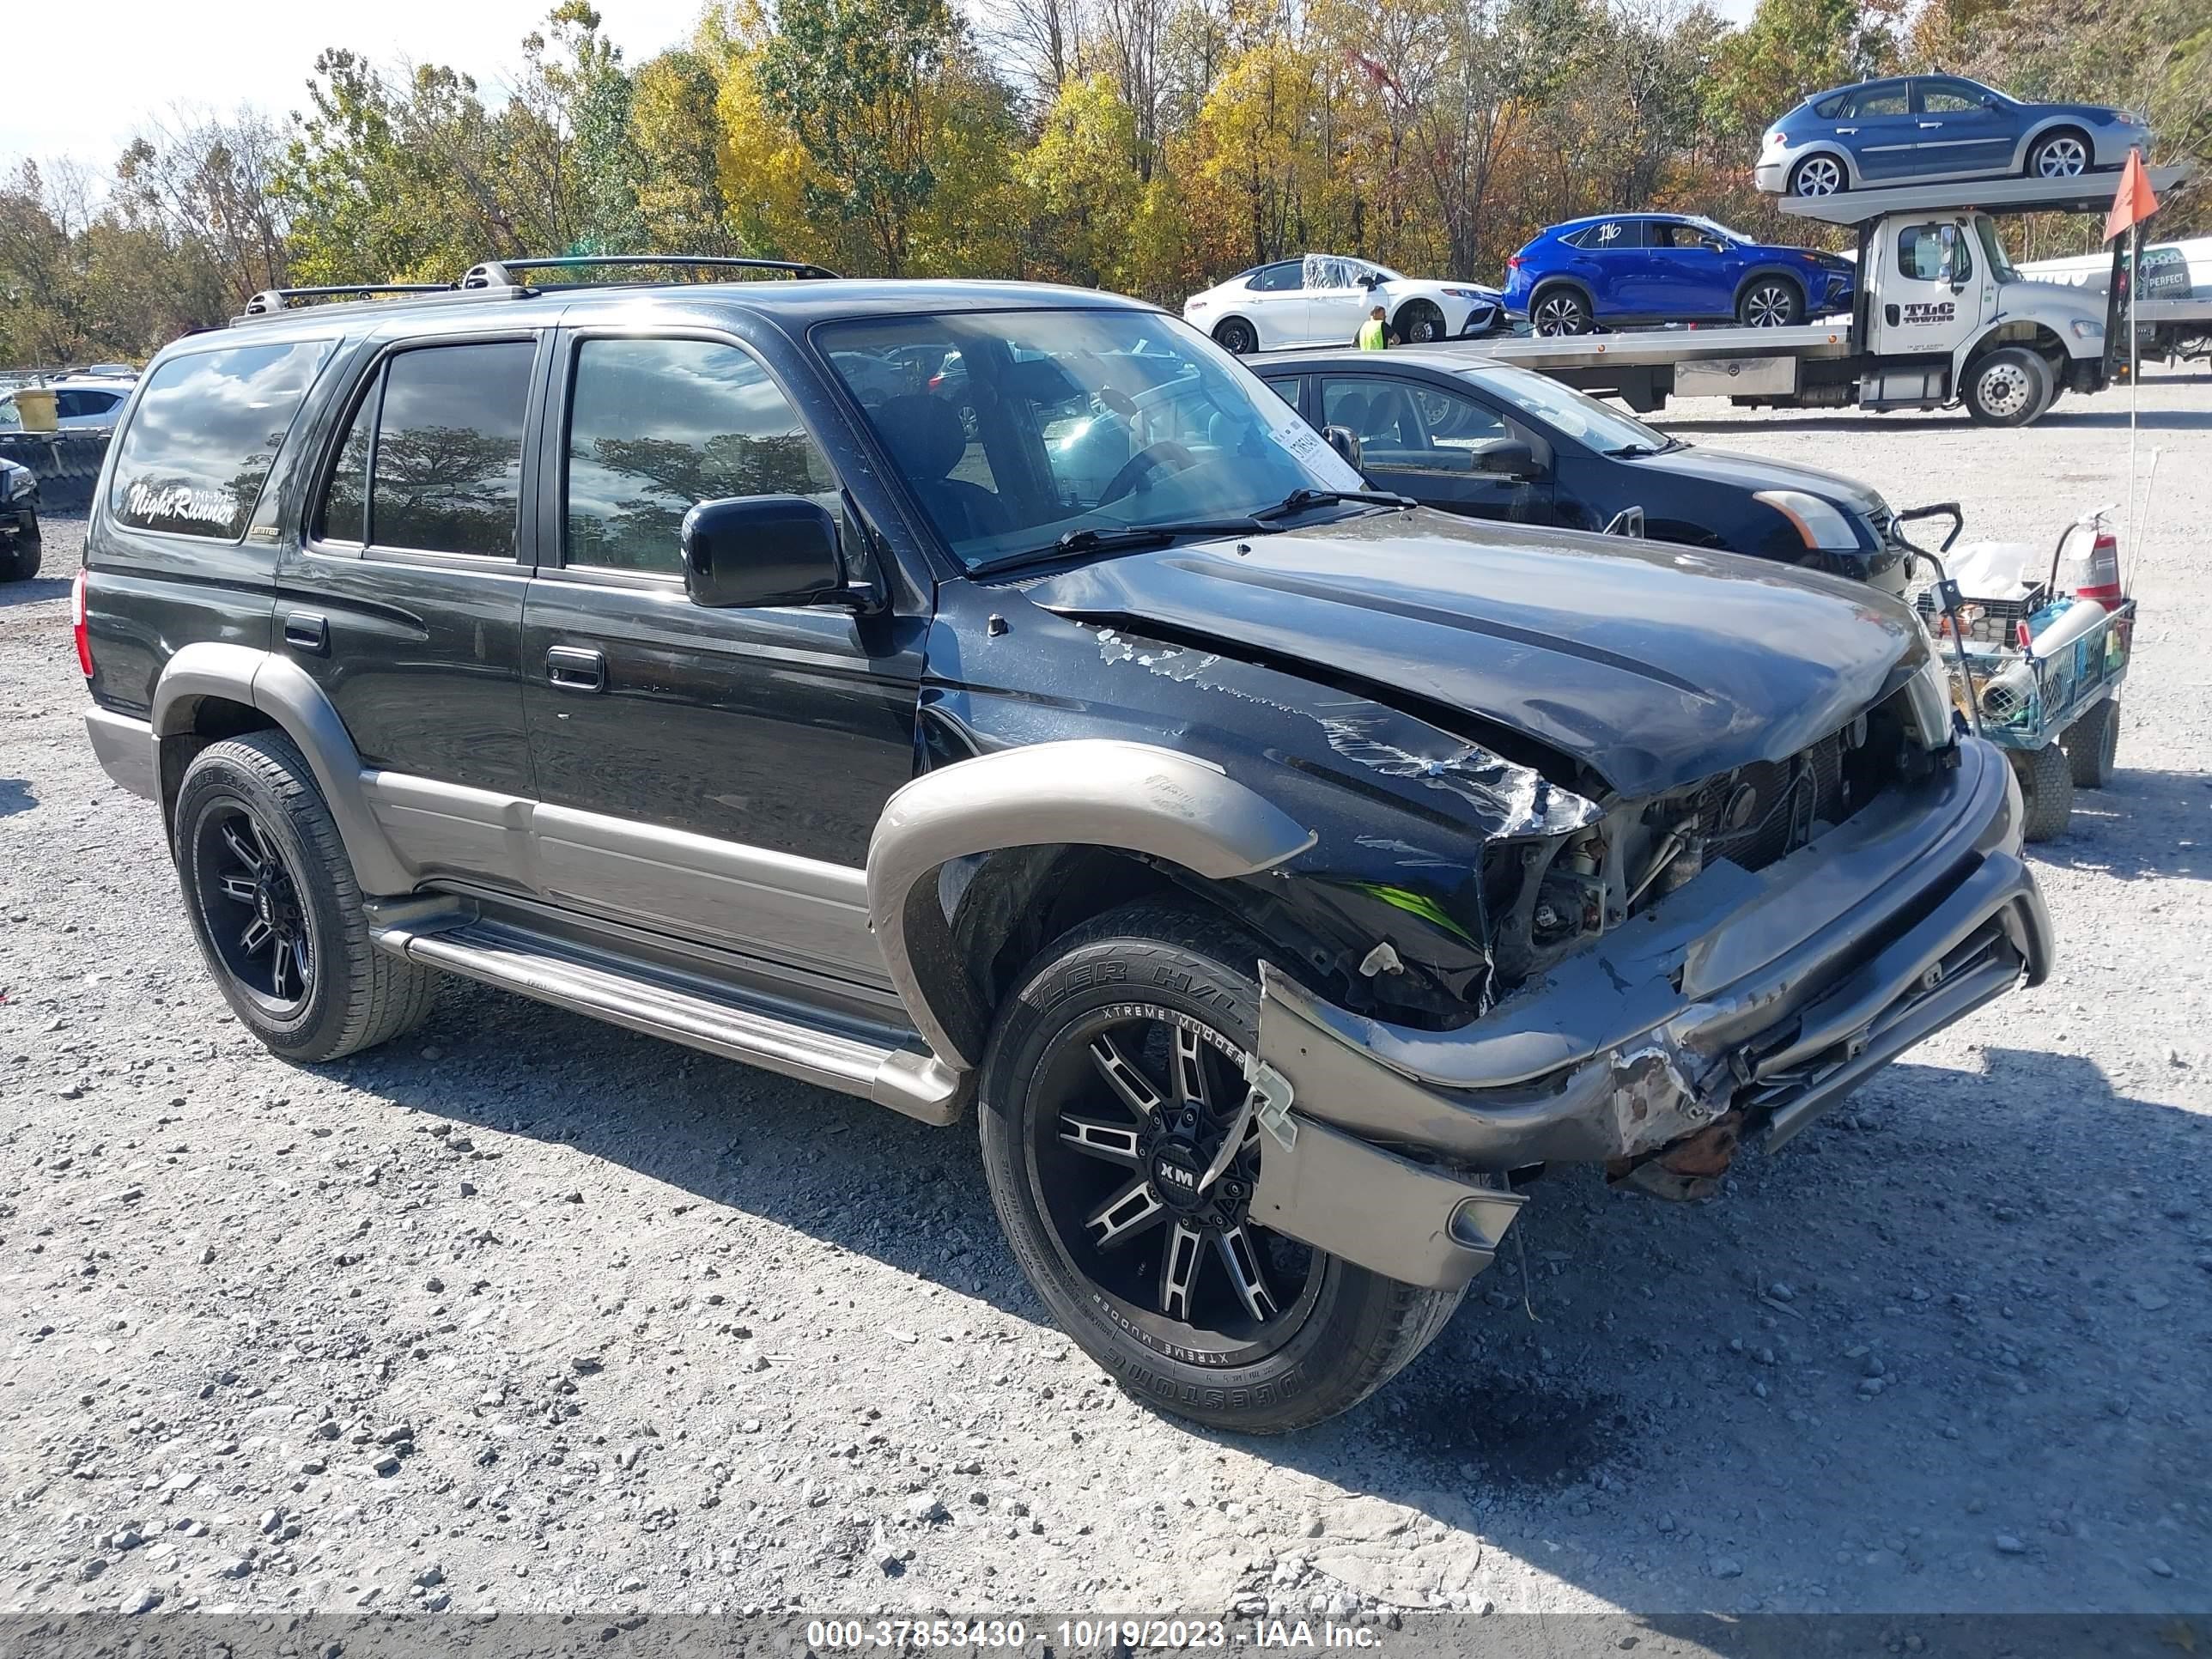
x=440, y=935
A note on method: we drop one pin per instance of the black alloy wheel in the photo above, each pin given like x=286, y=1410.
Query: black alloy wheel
x=256, y=923
x=1237, y=338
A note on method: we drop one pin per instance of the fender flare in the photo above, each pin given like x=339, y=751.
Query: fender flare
x=1852, y=175
x=285, y=691
x=2042, y=129
x=1093, y=791
x=1563, y=279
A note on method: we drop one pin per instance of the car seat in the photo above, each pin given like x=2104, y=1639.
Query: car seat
x=926, y=437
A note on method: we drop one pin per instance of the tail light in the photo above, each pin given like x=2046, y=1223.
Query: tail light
x=77, y=625
x=1513, y=262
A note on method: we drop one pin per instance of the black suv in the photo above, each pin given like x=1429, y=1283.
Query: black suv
x=952, y=691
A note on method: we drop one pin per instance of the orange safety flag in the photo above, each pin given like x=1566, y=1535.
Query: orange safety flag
x=2134, y=202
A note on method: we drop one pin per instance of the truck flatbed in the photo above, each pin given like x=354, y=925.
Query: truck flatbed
x=1656, y=345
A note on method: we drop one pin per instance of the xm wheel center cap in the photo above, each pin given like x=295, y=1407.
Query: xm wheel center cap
x=1176, y=1173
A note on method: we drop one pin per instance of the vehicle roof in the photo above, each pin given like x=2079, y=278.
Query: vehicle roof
x=793, y=306
x=1442, y=359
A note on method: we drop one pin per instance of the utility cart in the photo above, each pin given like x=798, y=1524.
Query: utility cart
x=2038, y=672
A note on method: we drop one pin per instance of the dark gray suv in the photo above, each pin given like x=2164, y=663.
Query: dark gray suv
x=969, y=692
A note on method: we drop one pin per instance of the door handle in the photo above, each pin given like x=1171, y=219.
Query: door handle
x=1924, y=125
x=1846, y=130
x=306, y=631
x=576, y=668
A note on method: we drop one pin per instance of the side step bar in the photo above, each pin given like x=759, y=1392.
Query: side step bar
x=905, y=1079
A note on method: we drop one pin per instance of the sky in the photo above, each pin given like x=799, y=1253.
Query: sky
x=85, y=75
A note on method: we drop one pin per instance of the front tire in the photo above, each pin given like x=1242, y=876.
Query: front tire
x=1114, y=1066
x=2011, y=386
x=19, y=561
x=2061, y=155
x=1420, y=323
x=1559, y=310
x=1771, y=303
x=1237, y=338
x=275, y=908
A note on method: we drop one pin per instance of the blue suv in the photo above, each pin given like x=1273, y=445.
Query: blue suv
x=1936, y=126
x=1667, y=268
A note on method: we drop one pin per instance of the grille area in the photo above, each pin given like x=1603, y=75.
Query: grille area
x=1766, y=810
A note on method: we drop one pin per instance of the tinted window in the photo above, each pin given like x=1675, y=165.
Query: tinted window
x=1949, y=97
x=345, y=499
x=1681, y=235
x=1286, y=388
x=1284, y=278
x=205, y=433
x=447, y=474
x=1879, y=101
x=1410, y=425
x=1930, y=253
x=1612, y=234
x=1829, y=108
x=656, y=426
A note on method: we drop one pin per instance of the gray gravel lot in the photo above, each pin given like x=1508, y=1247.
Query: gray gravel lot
x=526, y=1312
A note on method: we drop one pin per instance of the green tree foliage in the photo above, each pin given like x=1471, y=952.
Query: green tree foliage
x=1148, y=145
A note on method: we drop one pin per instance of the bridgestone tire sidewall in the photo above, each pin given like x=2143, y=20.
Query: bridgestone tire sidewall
x=217, y=779
x=1323, y=1368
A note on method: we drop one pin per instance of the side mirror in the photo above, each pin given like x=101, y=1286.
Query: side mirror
x=761, y=550
x=1509, y=458
x=1345, y=441
x=1371, y=280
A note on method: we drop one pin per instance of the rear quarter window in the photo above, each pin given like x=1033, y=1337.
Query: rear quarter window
x=204, y=434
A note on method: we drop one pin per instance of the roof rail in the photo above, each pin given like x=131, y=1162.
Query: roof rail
x=271, y=300
x=501, y=273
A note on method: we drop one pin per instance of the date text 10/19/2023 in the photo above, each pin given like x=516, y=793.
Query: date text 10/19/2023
x=1261, y=1635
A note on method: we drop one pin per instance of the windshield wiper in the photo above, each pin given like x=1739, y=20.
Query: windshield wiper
x=1302, y=499
x=1092, y=540
x=1638, y=452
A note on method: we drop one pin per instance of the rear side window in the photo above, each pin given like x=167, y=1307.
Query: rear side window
x=205, y=432
x=432, y=462
x=1880, y=101
x=656, y=426
x=1612, y=234
x=1829, y=108
x=1284, y=278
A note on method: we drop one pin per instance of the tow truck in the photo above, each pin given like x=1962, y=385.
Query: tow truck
x=1941, y=318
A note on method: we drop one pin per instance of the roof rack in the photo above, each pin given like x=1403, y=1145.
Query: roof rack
x=501, y=273
x=271, y=300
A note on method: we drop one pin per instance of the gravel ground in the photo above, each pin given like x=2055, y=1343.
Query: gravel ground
x=524, y=1312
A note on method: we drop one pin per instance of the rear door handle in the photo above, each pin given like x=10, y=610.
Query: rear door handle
x=1924, y=125
x=576, y=668
x=306, y=631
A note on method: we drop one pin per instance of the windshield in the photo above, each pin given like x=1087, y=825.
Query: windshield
x=1014, y=429
x=2000, y=267
x=1576, y=414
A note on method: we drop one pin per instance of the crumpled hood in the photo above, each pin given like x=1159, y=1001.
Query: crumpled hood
x=1656, y=666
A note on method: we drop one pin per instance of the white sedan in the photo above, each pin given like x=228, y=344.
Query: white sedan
x=1322, y=298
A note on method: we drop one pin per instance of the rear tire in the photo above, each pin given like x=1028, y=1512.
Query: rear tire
x=1771, y=303
x=275, y=908
x=2011, y=386
x=2092, y=743
x=1237, y=338
x=19, y=559
x=1819, y=175
x=1162, y=996
x=1420, y=323
x=1559, y=309
x=2046, y=788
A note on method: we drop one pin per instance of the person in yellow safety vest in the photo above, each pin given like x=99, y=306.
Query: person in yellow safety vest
x=1373, y=336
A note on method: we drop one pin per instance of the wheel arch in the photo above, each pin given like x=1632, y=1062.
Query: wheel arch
x=1128, y=818
x=1762, y=272
x=209, y=691
x=1563, y=279
x=2043, y=129
x=2038, y=337
x=1220, y=322
x=1432, y=302
x=1837, y=152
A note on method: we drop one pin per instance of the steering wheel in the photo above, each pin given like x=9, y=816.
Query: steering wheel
x=1145, y=462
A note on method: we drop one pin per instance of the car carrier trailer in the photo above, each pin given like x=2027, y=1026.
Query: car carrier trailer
x=1940, y=318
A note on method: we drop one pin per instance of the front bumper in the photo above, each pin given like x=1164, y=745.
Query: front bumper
x=1770, y=995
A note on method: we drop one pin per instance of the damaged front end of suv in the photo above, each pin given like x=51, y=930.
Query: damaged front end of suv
x=1542, y=891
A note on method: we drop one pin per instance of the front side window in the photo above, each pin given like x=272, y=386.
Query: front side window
x=656, y=426
x=447, y=475
x=1066, y=420
x=1933, y=253
x=205, y=433
x=1408, y=425
x=1950, y=97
